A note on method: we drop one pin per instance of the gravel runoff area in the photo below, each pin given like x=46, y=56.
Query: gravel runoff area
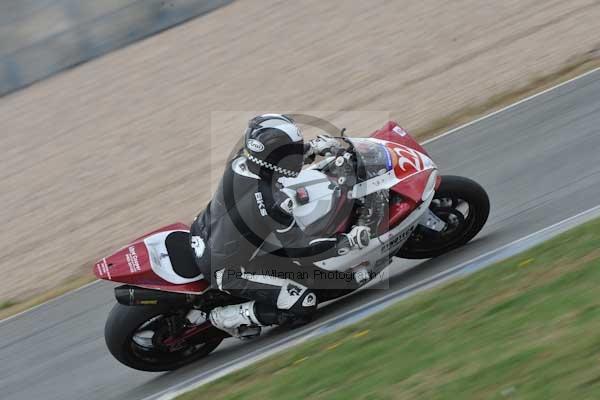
x=99, y=154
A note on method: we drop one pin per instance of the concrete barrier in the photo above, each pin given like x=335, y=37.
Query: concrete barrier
x=39, y=38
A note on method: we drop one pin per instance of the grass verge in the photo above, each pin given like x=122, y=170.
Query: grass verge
x=525, y=329
x=6, y=304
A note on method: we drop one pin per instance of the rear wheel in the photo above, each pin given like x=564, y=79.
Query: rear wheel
x=464, y=205
x=155, y=338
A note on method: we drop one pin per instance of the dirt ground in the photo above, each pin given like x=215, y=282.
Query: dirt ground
x=95, y=156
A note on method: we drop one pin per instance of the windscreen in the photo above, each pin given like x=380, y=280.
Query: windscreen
x=373, y=158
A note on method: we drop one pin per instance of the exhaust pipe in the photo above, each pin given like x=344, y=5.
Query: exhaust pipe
x=137, y=296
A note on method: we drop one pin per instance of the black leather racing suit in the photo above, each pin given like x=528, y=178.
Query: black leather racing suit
x=243, y=216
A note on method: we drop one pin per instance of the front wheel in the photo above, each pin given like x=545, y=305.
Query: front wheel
x=464, y=205
x=155, y=338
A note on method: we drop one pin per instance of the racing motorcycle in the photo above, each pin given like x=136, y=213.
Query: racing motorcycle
x=160, y=321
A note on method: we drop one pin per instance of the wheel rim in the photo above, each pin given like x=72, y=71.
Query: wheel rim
x=458, y=214
x=168, y=338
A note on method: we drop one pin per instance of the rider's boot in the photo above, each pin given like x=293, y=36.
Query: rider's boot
x=239, y=320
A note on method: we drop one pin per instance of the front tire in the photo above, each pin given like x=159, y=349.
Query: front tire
x=464, y=205
x=138, y=336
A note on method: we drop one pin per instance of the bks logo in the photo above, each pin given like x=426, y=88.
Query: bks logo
x=261, y=204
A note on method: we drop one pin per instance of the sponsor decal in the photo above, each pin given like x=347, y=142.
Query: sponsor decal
x=261, y=204
x=198, y=246
x=103, y=269
x=132, y=260
x=255, y=145
x=394, y=243
x=399, y=131
x=383, y=262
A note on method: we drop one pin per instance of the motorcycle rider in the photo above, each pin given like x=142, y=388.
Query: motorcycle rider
x=245, y=242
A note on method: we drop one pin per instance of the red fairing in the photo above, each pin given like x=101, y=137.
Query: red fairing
x=392, y=132
x=413, y=187
x=410, y=161
x=395, y=214
x=131, y=265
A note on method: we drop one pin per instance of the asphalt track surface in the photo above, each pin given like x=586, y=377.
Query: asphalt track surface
x=539, y=161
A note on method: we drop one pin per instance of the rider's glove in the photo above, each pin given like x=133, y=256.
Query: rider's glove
x=358, y=237
x=323, y=144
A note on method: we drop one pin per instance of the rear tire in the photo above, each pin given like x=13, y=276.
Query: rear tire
x=449, y=204
x=126, y=321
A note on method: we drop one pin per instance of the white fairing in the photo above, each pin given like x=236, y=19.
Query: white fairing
x=384, y=181
x=430, y=187
x=380, y=249
x=321, y=194
x=161, y=262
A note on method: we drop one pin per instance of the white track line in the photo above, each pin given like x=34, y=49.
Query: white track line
x=458, y=128
x=50, y=301
x=453, y=130
x=375, y=306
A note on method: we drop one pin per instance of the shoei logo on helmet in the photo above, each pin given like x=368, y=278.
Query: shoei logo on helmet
x=255, y=145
